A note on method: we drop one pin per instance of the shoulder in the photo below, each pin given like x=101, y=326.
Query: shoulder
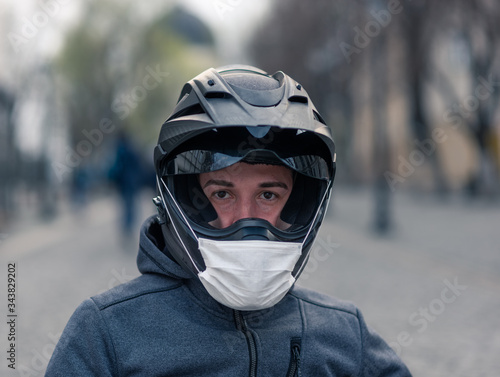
x=323, y=302
x=142, y=286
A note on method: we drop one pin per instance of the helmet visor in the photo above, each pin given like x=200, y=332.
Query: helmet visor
x=301, y=154
x=204, y=161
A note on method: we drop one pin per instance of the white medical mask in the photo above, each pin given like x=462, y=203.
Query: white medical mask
x=248, y=275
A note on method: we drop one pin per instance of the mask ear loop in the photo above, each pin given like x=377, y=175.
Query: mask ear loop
x=326, y=196
x=158, y=180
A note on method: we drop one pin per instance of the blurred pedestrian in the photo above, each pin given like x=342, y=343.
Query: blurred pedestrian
x=80, y=186
x=126, y=175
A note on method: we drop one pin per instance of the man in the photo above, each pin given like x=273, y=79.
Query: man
x=245, y=166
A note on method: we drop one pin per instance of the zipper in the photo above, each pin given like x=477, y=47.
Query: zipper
x=252, y=348
x=294, y=368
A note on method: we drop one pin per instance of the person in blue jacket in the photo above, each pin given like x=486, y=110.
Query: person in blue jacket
x=245, y=166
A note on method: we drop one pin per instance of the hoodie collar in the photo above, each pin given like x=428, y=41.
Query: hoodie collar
x=151, y=257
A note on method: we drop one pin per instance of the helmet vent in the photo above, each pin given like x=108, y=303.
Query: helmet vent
x=217, y=95
x=318, y=117
x=190, y=110
x=299, y=99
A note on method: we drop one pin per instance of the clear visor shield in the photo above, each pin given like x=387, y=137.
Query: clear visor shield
x=204, y=161
x=217, y=149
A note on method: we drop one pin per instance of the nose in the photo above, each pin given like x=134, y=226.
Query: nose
x=245, y=209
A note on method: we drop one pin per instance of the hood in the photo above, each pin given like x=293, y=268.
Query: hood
x=152, y=257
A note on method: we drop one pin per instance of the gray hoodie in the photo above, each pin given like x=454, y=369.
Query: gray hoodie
x=164, y=323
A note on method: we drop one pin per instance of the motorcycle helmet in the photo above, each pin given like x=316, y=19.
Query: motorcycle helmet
x=241, y=114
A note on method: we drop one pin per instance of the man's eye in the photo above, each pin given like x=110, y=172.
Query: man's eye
x=268, y=195
x=221, y=194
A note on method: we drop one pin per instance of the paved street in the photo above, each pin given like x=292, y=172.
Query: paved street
x=431, y=288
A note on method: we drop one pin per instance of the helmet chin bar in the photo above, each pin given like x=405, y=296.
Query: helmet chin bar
x=249, y=229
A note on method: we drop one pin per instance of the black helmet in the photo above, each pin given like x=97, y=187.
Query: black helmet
x=241, y=114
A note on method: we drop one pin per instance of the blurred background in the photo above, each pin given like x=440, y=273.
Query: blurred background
x=411, y=90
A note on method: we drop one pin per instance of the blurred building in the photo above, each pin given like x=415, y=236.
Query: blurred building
x=410, y=88
x=59, y=90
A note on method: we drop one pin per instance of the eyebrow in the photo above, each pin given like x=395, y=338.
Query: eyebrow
x=273, y=184
x=218, y=182
x=221, y=182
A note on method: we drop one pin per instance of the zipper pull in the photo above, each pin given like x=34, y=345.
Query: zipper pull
x=294, y=368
